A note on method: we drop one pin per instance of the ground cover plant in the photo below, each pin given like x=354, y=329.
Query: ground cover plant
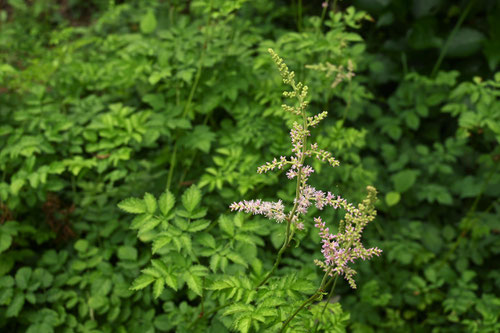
x=103, y=101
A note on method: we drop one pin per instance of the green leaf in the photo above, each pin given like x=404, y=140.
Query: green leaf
x=171, y=281
x=150, y=202
x=464, y=43
x=160, y=266
x=142, y=282
x=198, y=225
x=244, y=324
x=444, y=198
x=18, y=4
x=236, y=258
x=150, y=224
x=214, y=262
x=166, y=202
x=193, y=280
x=200, y=138
x=81, y=245
x=101, y=286
x=15, y=306
x=160, y=242
x=185, y=241
x=152, y=272
x=181, y=223
x=163, y=322
x=226, y=224
x=5, y=241
x=404, y=180
x=133, y=206
x=148, y=22
x=198, y=213
x=16, y=185
x=97, y=301
x=468, y=187
x=23, y=276
x=158, y=288
x=127, y=253
x=191, y=198
x=40, y=328
x=206, y=239
x=435, y=192
x=238, y=308
x=43, y=276
x=139, y=221
x=392, y=198
x=412, y=120
x=6, y=281
x=6, y=296
x=422, y=34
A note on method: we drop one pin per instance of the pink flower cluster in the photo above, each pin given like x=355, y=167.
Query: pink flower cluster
x=298, y=135
x=344, y=247
x=271, y=210
x=309, y=194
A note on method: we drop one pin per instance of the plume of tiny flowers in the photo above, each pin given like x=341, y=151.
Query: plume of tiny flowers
x=273, y=165
x=297, y=169
x=345, y=247
x=338, y=249
x=271, y=210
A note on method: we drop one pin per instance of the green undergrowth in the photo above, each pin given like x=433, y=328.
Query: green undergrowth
x=176, y=104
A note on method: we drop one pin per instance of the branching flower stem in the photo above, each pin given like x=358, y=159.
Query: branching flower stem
x=338, y=249
x=289, y=228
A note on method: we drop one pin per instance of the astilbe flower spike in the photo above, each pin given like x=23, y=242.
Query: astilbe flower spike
x=338, y=249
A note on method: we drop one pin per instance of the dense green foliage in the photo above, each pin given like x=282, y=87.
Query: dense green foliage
x=176, y=103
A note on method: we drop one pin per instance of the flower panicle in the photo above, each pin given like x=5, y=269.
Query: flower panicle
x=323, y=155
x=288, y=77
x=313, y=121
x=342, y=248
x=275, y=164
x=271, y=210
x=345, y=247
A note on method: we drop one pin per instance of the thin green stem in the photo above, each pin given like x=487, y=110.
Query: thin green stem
x=196, y=80
x=327, y=302
x=444, y=49
x=172, y=166
x=193, y=156
x=299, y=16
x=280, y=254
x=323, y=13
x=404, y=62
x=309, y=300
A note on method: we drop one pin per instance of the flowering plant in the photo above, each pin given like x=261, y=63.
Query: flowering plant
x=338, y=249
x=181, y=237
